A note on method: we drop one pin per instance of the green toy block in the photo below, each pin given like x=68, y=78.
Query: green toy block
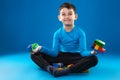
x=34, y=46
x=100, y=43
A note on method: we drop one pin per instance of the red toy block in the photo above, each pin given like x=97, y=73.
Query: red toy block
x=101, y=49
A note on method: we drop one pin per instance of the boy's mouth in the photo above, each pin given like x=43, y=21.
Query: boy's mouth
x=67, y=20
x=68, y=25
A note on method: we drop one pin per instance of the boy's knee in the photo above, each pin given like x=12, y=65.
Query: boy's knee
x=94, y=60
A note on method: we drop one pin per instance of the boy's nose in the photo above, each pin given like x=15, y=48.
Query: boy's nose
x=67, y=16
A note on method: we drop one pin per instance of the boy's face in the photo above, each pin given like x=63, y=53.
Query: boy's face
x=67, y=16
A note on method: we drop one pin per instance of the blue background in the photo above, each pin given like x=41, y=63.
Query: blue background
x=27, y=21
x=23, y=22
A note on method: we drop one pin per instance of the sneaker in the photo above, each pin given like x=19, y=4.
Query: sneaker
x=86, y=71
x=59, y=71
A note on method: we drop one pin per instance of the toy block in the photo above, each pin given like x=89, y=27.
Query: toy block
x=96, y=47
x=93, y=46
x=60, y=68
x=32, y=46
x=100, y=43
x=101, y=49
x=29, y=47
x=58, y=65
x=70, y=65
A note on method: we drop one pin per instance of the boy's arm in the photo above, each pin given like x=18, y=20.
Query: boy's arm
x=82, y=44
x=55, y=47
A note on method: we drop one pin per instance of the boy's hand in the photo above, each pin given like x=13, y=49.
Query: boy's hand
x=37, y=49
x=93, y=52
x=34, y=48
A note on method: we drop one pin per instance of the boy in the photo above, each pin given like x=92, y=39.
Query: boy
x=69, y=46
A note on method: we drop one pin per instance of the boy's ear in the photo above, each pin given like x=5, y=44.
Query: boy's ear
x=76, y=16
x=59, y=18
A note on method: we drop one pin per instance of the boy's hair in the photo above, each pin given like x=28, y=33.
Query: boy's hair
x=68, y=6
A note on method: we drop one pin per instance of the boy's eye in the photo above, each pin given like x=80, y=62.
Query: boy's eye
x=70, y=14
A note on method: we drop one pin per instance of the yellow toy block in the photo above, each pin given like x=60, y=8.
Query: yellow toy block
x=96, y=47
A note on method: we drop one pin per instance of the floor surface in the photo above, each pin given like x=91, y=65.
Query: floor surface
x=19, y=66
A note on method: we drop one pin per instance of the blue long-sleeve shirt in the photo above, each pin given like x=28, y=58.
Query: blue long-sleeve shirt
x=73, y=41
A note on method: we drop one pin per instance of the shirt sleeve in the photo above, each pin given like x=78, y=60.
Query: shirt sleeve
x=55, y=47
x=82, y=44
